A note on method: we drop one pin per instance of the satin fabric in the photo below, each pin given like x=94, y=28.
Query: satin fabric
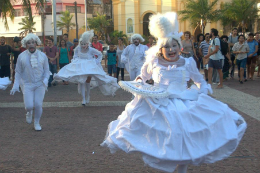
x=4, y=82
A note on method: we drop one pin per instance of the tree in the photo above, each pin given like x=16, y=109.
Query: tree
x=99, y=24
x=117, y=34
x=200, y=10
x=243, y=12
x=27, y=26
x=65, y=21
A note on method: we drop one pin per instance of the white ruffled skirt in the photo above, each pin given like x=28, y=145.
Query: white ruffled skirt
x=4, y=82
x=173, y=131
x=80, y=69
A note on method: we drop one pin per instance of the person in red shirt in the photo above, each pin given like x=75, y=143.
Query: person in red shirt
x=76, y=42
x=96, y=44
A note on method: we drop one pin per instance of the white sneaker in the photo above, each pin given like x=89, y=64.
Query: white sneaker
x=29, y=117
x=37, y=127
x=83, y=101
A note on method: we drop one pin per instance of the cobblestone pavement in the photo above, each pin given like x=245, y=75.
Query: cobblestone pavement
x=69, y=141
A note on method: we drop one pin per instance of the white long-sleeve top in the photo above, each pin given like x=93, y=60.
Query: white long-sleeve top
x=90, y=54
x=31, y=75
x=133, y=56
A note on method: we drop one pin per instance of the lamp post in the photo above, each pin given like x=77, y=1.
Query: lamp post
x=76, y=19
x=54, y=21
x=86, y=18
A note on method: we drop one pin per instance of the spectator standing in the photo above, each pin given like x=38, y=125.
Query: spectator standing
x=241, y=49
x=150, y=43
x=120, y=65
x=16, y=50
x=227, y=60
x=257, y=38
x=52, y=54
x=76, y=43
x=5, y=52
x=64, y=58
x=251, y=55
x=66, y=38
x=111, y=61
x=200, y=38
x=96, y=44
x=203, y=49
x=215, y=58
x=188, y=47
x=232, y=39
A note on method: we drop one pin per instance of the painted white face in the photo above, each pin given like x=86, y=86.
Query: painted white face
x=84, y=45
x=171, y=50
x=136, y=41
x=31, y=45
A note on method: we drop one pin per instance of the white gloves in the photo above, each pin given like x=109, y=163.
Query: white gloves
x=13, y=91
x=45, y=82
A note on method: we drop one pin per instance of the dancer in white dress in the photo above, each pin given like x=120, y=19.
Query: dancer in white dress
x=84, y=67
x=4, y=82
x=32, y=75
x=133, y=56
x=188, y=126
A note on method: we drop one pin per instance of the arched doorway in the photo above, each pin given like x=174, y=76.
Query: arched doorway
x=146, y=20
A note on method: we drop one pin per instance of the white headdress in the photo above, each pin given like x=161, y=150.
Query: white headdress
x=86, y=36
x=30, y=36
x=137, y=36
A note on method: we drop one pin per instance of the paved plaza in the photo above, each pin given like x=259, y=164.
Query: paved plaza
x=69, y=141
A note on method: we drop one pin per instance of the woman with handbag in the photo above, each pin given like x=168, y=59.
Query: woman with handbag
x=241, y=49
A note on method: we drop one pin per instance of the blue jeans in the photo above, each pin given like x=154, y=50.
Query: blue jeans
x=111, y=69
x=53, y=69
x=241, y=64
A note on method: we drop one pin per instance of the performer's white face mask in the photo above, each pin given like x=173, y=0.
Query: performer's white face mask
x=31, y=46
x=171, y=50
x=84, y=45
x=136, y=41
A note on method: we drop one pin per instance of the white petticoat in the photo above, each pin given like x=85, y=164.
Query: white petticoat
x=4, y=82
x=80, y=69
x=176, y=131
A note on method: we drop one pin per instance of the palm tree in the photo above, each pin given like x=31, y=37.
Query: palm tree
x=243, y=12
x=6, y=9
x=200, y=11
x=27, y=26
x=117, y=34
x=99, y=24
x=65, y=21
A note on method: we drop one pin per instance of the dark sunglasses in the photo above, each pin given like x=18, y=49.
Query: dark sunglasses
x=50, y=49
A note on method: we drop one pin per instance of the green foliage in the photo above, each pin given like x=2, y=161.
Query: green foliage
x=118, y=34
x=65, y=21
x=243, y=12
x=99, y=24
x=27, y=26
x=6, y=9
x=195, y=10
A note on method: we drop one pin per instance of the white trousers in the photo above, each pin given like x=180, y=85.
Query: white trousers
x=134, y=73
x=33, y=98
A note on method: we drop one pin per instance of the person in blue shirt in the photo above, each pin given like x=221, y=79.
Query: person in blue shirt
x=111, y=60
x=251, y=55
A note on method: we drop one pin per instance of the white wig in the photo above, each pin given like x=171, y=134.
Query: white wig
x=137, y=36
x=86, y=36
x=165, y=27
x=29, y=37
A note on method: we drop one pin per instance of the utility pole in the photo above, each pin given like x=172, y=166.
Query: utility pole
x=54, y=21
x=86, y=18
x=76, y=19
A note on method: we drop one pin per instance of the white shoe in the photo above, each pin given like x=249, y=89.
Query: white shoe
x=37, y=127
x=29, y=117
x=83, y=101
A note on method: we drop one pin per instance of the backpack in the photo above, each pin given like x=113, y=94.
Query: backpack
x=223, y=46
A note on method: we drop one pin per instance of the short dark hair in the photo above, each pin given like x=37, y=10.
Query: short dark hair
x=198, y=37
x=251, y=34
x=215, y=31
x=187, y=32
x=241, y=36
x=207, y=34
x=111, y=44
x=120, y=38
x=234, y=29
x=64, y=41
x=95, y=36
x=224, y=36
x=66, y=34
x=50, y=39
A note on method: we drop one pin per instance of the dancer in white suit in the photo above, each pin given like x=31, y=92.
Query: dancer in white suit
x=86, y=66
x=32, y=74
x=133, y=56
x=188, y=126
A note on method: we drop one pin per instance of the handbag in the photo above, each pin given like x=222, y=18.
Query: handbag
x=235, y=61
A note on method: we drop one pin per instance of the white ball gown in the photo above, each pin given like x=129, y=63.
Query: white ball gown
x=188, y=127
x=84, y=65
x=4, y=82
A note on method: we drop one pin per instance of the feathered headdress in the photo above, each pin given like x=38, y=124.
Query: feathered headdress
x=86, y=36
x=30, y=36
x=137, y=36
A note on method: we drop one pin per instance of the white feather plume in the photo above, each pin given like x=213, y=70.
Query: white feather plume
x=87, y=36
